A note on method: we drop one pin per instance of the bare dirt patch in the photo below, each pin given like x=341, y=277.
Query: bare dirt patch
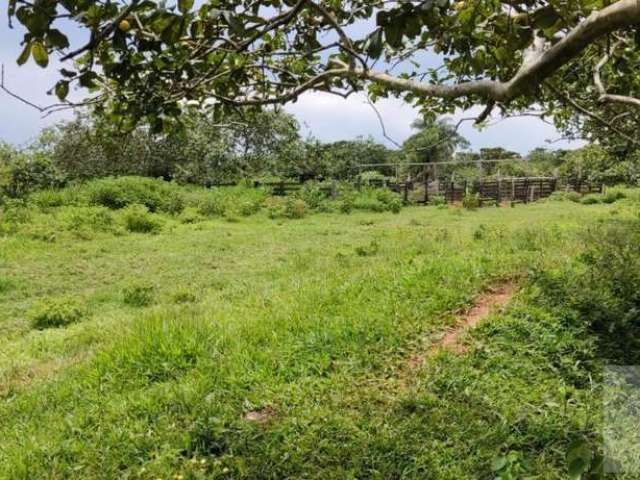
x=263, y=415
x=494, y=298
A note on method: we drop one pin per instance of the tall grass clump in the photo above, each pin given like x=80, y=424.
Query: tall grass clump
x=157, y=348
x=55, y=312
x=138, y=294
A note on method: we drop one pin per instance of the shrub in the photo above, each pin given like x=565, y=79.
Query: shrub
x=138, y=294
x=50, y=197
x=368, y=203
x=289, y=207
x=471, y=201
x=313, y=195
x=120, y=192
x=210, y=205
x=55, y=312
x=612, y=196
x=78, y=219
x=591, y=199
x=602, y=288
x=136, y=218
x=573, y=196
x=191, y=215
x=391, y=200
x=14, y=212
x=437, y=200
x=23, y=173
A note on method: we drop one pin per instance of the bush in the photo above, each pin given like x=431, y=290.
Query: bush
x=612, y=196
x=210, y=205
x=136, y=218
x=471, y=201
x=437, y=200
x=573, y=196
x=120, y=192
x=191, y=215
x=391, y=200
x=138, y=294
x=590, y=199
x=289, y=207
x=55, y=312
x=50, y=197
x=23, y=173
x=602, y=288
x=313, y=195
x=94, y=219
x=374, y=200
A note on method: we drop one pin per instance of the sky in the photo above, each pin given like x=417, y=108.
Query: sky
x=321, y=115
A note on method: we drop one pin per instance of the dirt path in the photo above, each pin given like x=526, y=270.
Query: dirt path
x=494, y=298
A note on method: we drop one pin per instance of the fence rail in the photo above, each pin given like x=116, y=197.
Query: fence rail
x=514, y=189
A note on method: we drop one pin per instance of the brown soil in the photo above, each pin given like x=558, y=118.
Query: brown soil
x=262, y=415
x=496, y=297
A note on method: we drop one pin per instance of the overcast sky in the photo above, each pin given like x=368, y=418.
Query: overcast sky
x=324, y=116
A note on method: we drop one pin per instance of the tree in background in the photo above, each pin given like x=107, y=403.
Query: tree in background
x=340, y=160
x=434, y=141
x=204, y=152
x=595, y=164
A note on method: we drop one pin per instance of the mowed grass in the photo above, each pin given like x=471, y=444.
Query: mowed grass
x=308, y=320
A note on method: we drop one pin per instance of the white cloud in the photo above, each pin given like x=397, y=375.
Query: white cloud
x=330, y=118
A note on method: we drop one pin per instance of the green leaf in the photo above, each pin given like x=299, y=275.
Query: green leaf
x=185, y=5
x=40, y=54
x=62, y=89
x=374, y=44
x=393, y=34
x=57, y=39
x=232, y=21
x=24, y=55
x=545, y=17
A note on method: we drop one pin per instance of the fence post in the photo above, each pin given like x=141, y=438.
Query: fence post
x=334, y=189
x=405, y=192
x=426, y=188
x=526, y=190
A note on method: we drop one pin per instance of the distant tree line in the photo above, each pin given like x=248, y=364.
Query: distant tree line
x=267, y=144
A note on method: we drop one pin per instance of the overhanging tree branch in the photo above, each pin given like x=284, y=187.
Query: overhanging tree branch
x=597, y=80
x=532, y=73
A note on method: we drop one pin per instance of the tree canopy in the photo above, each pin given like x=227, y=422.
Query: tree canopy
x=573, y=60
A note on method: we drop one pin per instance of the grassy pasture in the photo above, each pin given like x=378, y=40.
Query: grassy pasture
x=178, y=335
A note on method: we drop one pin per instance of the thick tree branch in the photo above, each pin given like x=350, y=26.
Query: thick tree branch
x=576, y=106
x=621, y=14
x=607, y=97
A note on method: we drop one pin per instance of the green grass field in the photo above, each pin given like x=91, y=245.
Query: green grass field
x=177, y=336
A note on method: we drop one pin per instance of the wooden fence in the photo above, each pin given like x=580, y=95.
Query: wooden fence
x=515, y=189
